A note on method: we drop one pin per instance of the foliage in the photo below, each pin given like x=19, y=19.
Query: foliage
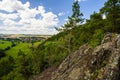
x=21, y=46
x=21, y=68
x=75, y=19
x=6, y=65
x=2, y=53
x=27, y=61
x=4, y=44
x=112, y=11
x=76, y=16
x=97, y=38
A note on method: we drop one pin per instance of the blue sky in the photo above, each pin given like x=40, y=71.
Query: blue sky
x=40, y=16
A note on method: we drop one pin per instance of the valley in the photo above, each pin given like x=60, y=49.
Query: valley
x=11, y=44
x=34, y=45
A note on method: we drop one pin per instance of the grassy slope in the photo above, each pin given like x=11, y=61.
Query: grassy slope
x=25, y=47
x=36, y=44
x=22, y=46
x=5, y=44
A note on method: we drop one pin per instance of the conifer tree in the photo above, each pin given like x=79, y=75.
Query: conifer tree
x=75, y=19
x=112, y=11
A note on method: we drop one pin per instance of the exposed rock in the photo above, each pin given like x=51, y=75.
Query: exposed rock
x=107, y=38
x=45, y=75
x=100, y=63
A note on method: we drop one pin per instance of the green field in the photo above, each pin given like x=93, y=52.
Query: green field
x=25, y=47
x=13, y=51
x=36, y=44
x=5, y=44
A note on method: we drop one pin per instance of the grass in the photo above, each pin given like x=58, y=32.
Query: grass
x=13, y=51
x=36, y=44
x=25, y=47
x=5, y=44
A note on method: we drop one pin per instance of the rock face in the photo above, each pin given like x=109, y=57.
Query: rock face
x=100, y=63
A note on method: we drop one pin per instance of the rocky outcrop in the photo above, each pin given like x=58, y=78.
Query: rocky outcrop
x=100, y=63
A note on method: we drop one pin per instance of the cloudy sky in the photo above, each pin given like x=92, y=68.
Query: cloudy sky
x=40, y=16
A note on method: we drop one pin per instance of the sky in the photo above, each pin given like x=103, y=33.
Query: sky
x=40, y=16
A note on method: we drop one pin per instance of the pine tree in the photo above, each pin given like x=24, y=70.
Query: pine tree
x=112, y=11
x=75, y=19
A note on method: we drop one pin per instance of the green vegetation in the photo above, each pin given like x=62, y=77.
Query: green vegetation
x=36, y=44
x=51, y=52
x=75, y=19
x=12, y=48
x=5, y=44
x=112, y=11
x=25, y=47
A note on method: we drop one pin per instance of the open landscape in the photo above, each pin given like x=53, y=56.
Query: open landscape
x=59, y=39
x=11, y=44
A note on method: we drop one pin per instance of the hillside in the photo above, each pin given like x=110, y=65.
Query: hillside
x=80, y=51
x=100, y=63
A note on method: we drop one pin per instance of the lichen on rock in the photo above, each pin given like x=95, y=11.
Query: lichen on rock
x=100, y=63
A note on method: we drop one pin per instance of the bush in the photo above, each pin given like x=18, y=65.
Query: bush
x=2, y=53
x=6, y=65
x=7, y=48
x=97, y=38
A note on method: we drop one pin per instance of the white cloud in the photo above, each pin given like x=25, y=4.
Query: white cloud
x=12, y=5
x=61, y=14
x=20, y=18
x=81, y=0
x=41, y=10
x=66, y=19
x=104, y=16
x=8, y=16
x=9, y=22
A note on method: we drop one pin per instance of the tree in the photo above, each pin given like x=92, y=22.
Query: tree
x=75, y=19
x=2, y=53
x=76, y=16
x=95, y=16
x=95, y=22
x=6, y=65
x=23, y=65
x=67, y=43
x=112, y=11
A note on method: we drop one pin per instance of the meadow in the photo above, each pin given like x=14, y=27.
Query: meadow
x=4, y=44
x=25, y=47
x=13, y=51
